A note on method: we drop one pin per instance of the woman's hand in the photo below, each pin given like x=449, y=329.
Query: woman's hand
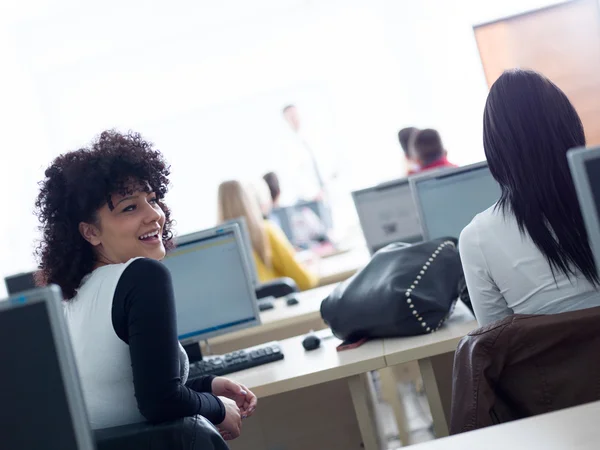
x=240, y=394
x=231, y=427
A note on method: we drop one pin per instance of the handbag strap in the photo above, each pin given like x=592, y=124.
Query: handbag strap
x=430, y=328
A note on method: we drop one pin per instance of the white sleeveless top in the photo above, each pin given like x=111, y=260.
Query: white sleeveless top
x=102, y=358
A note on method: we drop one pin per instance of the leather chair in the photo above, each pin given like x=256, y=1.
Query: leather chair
x=525, y=365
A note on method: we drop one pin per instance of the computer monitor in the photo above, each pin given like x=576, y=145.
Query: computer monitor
x=41, y=402
x=248, y=251
x=214, y=293
x=285, y=216
x=387, y=214
x=19, y=282
x=320, y=210
x=585, y=168
x=447, y=200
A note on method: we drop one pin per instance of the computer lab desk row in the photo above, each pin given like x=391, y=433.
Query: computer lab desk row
x=323, y=398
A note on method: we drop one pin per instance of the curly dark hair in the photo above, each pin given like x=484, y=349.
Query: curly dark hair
x=79, y=183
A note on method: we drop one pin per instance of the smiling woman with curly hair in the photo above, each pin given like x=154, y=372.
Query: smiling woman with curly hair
x=105, y=228
x=78, y=190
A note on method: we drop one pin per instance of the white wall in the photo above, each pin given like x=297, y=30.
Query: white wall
x=206, y=82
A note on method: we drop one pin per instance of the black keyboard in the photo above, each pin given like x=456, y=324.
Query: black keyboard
x=236, y=361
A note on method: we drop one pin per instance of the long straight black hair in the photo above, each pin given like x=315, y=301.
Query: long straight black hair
x=529, y=124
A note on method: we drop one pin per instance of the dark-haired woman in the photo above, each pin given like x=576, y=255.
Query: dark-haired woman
x=529, y=254
x=105, y=228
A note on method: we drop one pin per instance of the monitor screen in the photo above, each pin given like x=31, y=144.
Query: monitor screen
x=247, y=247
x=585, y=167
x=292, y=220
x=213, y=292
x=19, y=283
x=36, y=410
x=449, y=200
x=387, y=214
x=592, y=168
x=320, y=209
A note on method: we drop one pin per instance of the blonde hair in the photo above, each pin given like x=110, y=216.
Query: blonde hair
x=236, y=200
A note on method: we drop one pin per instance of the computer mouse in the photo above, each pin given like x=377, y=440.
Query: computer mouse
x=311, y=342
x=291, y=301
x=265, y=306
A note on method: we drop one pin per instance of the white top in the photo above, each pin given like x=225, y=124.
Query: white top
x=103, y=359
x=507, y=274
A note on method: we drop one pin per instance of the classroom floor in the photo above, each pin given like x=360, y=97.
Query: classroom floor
x=417, y=413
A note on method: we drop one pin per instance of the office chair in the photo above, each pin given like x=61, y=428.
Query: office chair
x=525, y=365
x=279, y=287
x=189, y=433
x=20, y=282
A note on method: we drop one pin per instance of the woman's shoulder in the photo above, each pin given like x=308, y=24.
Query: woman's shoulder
x=272, y=229
x=101, y=282
x=491, y=218
x=146, y=263
x=269, y=225
x=485, y=223
x=135, y=267
x=145, y=268
x=489, y=228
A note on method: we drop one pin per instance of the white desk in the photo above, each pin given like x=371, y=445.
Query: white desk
x=302, y=369
x=309, y=303
x=573, y=428
x=435, y=355
x=341, y=267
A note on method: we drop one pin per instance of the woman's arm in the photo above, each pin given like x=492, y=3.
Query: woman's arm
x=284, y=259
x=143, y=316
x=201, y=384
x=486, y=298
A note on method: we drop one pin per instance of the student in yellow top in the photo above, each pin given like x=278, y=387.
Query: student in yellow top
x=274, y=255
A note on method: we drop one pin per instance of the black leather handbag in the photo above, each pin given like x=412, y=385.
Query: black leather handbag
x=405, y=290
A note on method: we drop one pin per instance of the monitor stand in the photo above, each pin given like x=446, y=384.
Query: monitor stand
x=193, y=351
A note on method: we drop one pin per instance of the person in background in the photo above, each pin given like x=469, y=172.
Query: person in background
x=310, y=169
x=404, y=136
x=274, y=189
x=261, y=192
x=105, y=228
x=530, y=253
x=428, y=150
x=274, y=256
x=304, y=178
